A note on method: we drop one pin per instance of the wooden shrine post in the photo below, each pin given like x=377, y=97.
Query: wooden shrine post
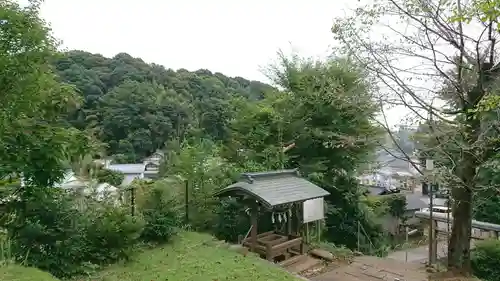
x=289, y=216
x=254, y=220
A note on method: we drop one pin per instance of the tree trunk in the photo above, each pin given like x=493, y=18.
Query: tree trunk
x=459, y=244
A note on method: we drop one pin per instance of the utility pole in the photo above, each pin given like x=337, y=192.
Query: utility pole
x=132, y=200
x=186, y=202
x=406, y=243
x=429, y=166
x=448, y=205
x=359, y=232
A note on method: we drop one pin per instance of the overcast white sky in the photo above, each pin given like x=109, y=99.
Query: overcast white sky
x=236, y=38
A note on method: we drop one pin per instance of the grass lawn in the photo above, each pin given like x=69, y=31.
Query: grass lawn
x=194, y=257
x=20, y=273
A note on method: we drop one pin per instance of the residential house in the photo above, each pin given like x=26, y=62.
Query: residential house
x=147, y=170
x=155, y=158
x=151, y=170
x=152, y=165
x=130, y=172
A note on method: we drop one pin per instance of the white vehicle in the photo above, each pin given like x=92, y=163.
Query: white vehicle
x=441, y=226
x=437, y=209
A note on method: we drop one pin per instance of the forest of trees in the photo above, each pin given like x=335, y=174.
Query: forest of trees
x=135, y=107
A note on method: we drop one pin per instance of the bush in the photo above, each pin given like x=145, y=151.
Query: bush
x=232, y=220
x=52, y=233
x=162, y=211
x=485, y=259
x=110, y=233
x=108, y=176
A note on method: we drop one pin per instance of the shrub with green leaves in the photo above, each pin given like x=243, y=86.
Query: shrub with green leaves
x=108, y=176
x=52, y=233
x=162, y=211
x=233, y=220
x=110, y=232
x=485, y=259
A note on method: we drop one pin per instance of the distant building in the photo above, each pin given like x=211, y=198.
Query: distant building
x=151, y=170
x=155, y=158
x=71, y=182
x=148, y=169
x=152, y=165
x=391, y=171
x=130, y=172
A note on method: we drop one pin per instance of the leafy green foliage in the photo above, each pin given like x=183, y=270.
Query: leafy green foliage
x=111, y=234
x=199, y=164
x=377, y=204
x=339, y=253
x=392, y=204
x=162, y=212
x=206, y=172
x=463, y=84
x=484, y=10
x=57, y=236
x=485, y=260
x=326, y=110
x=33, y=102
x=232, y=221
x=137, y=107
x=396, y=204
x=108, y=176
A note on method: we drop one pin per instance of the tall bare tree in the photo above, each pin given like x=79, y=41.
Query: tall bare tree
x=428, y=58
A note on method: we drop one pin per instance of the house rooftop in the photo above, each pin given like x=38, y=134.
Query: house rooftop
x=415, y=202
x=393, y=162
x=274, y=188
x=128, y=168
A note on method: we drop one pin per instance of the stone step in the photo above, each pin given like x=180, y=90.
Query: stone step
x=323, y=254
x=292, y=260
x=304, y=264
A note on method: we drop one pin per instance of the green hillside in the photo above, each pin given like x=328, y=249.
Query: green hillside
x=194, y=257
